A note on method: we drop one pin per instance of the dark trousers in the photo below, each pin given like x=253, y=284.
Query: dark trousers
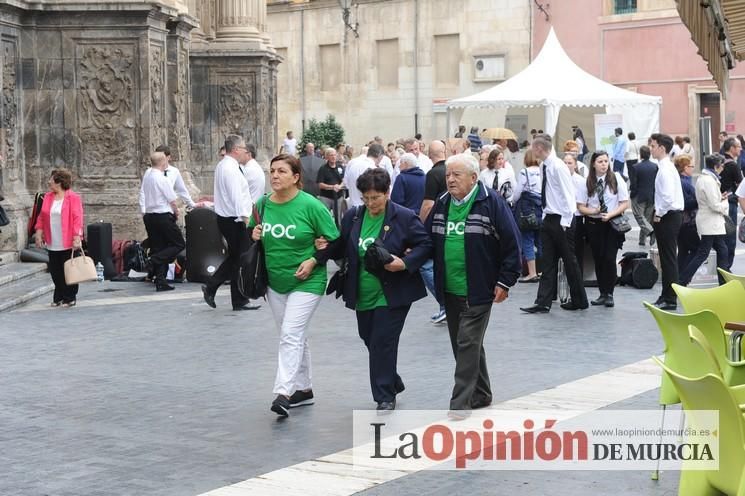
x=578, y=246
x=238, y=238
x=702, y=253
x=380, y=329
x=688, y=242
x=604, y=245
x=666, y=231
x=467, y=326
x=618, y=166
x=559, y=243
x=166, y=242
x=62, y=292
x=731, y=240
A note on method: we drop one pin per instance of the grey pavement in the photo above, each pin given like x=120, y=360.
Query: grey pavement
x=138, y=393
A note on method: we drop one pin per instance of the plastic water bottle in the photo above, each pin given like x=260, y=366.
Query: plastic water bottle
x=99, y=272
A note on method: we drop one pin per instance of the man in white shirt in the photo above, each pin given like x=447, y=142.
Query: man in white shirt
x=356, y=167
x=174, y=178
x=254, y=174
x=160, y=214
x=423, y=161
x=557, y=230
x=668, y=217
x=233, y=207
x=290, y=144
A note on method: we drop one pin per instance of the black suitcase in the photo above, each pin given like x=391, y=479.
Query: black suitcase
x=205, y=248
x=638, y=271
x=99, y=239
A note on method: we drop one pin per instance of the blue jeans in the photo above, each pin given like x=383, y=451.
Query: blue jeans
x=428, y=276
x=731, y=241
x=531, y=245
x=702, y=253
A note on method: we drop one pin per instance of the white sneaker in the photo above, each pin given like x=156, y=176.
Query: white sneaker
x=439, y=317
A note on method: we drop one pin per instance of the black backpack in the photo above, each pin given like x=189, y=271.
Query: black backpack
x=134, y=257
x=637, y=270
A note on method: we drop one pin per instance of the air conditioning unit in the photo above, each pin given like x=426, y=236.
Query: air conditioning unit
x=488, y=68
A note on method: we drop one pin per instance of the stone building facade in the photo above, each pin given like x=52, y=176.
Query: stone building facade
x=411, y=56
x=95, y=87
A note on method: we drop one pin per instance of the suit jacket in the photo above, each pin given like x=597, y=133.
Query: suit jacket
x=311, y=165
x=71, y=216
x=642, y=176
x=401, y=230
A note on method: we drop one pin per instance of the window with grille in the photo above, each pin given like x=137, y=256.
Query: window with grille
x=624, y=6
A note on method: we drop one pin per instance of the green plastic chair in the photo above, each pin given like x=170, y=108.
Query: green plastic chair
x=728, y=276
x=726, y=301
x=709, y=392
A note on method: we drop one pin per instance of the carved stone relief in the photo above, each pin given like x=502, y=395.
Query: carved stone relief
x=236, y=111
x=106, y=119
x=10, y=107
x=157, y=84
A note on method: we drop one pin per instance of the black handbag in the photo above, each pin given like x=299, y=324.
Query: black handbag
x=336, y=283
x=620, y=224
x=253, y=280
x=528, y=222
x=376, y=257
x=4, y=220
x=730, y=229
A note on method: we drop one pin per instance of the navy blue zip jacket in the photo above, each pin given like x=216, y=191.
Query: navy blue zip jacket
x=492, y=244
x=408, y=190
x=401, y=230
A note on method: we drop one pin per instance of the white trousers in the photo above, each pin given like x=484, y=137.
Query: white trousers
x=292, y=312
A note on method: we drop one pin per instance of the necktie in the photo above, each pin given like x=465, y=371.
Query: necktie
x=165, y=172
x=543, y=186
x=601, y=197
x=495, y=183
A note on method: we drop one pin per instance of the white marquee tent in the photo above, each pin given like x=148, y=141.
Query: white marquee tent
x=553, y=81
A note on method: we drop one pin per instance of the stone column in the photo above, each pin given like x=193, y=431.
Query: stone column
x=241, y=21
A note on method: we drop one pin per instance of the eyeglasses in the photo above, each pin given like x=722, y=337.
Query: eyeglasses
x=372, y=199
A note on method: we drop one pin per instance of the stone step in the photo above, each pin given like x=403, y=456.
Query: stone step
x=21, y=283
x=8, y=257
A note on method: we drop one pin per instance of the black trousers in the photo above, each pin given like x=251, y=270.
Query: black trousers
x=62, y=292
x=380, y=329
x=604, y=245
x=666, y=231
x=559, y=243
x=238, y=238
x=467, y=326
x=579, y=242
x=702, y=253
x=688, y=242
x=166, y=241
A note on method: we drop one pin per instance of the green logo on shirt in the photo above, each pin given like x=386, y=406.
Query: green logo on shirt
x=279, y=231
x=365, y=243
x=458, y=227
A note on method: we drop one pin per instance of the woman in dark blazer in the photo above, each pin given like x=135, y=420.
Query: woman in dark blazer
x=381, y=299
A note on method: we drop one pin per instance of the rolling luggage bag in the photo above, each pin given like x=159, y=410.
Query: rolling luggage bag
x=205, y=248
x=99, y=240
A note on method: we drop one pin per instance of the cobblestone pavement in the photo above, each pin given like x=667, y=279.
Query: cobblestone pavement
x=138, y=393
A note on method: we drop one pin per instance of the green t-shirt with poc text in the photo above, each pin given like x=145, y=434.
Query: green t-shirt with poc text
x=289, y=232
x=369, y=290
x=455, y=247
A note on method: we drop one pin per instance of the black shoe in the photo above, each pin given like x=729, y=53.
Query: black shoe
x=480, y=403
x=535, y=309
x=668, y=306
x=400, y=388
x=642, y=243
x=208, y=297
x=301, y=398
x=386, y=406
x=281, y=405
x=651, y=239
x=571, y=306
x=245, y=307
x=600, y=301
x=609, y=301
x=162, y=285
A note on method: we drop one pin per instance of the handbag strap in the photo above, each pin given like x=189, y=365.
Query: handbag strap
x=260, y=216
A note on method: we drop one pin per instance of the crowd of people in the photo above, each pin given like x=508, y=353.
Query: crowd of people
x=458, y=220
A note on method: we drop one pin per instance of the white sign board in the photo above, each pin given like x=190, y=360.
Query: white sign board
x=605, y=126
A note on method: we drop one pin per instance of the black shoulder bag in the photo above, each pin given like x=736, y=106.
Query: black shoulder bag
x=253, y=279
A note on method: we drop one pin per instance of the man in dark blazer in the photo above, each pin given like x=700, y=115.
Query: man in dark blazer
x=642, y=176
x=311, y=163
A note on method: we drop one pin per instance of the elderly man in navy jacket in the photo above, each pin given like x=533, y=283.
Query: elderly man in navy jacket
x=476, y=261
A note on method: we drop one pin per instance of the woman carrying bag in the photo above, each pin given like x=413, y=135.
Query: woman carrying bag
x=380, y=285
x=291, y=220
x=60, y=227
x=605, y=197
x=713, y=207
x=528, y=213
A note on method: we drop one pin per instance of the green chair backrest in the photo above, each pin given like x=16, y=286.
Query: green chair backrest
x=709, y=392
x=729, y=276
x=682, y=355
x=726, y=301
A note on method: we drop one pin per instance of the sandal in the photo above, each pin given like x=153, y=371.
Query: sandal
x=55, y=304
x=530, y=279
x=68, y=304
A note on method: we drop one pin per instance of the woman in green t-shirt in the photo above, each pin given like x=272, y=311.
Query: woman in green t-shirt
x=381, y=296
x=291, y=221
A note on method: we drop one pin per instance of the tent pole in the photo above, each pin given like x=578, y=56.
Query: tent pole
x=447, y=123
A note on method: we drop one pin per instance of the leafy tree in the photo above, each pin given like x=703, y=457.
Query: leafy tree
x=327, y=132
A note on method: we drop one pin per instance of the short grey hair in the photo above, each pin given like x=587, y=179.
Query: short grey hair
x=543, y=141
x=466, y=159
x=409, y=158
x=233, y=141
